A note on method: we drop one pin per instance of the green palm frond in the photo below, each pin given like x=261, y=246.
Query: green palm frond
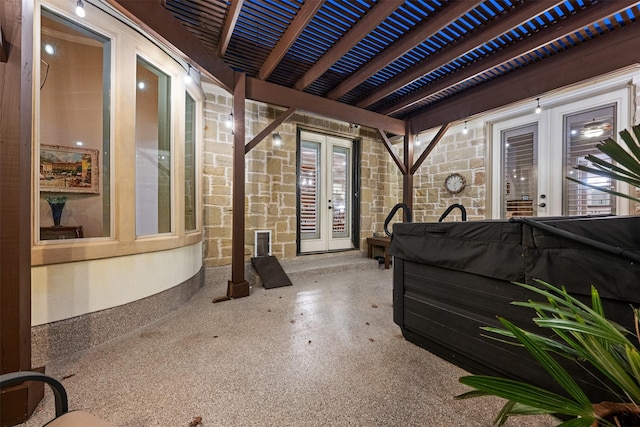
x=579, y=332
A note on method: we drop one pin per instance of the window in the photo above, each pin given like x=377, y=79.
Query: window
x=190, y=164
x=153, y=150
x=74, y=122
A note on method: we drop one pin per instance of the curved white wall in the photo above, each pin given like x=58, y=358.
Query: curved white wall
x=62, y=291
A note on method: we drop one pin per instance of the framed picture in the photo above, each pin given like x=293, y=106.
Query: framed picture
x=68, y=169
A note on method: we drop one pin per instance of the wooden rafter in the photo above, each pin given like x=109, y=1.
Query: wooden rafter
x=304, y=15
x=571, y=24
x=229, y=25
x=155, y=19
x=501, y=25
x=599, y=56
x=439, y=21
x=359, y=31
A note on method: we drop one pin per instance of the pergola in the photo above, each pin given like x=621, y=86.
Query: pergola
x=396, y=66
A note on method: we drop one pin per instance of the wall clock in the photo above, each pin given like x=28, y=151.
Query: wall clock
x=455, y=183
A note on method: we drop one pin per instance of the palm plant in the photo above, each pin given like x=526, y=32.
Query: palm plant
x=580, y=333
x=625, y=165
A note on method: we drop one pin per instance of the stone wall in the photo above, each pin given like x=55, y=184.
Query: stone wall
x=270, y=178
x=456, y=152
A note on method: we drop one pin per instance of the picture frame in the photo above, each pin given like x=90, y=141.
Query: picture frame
x=68, y=169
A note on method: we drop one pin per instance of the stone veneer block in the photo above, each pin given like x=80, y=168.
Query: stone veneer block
x=58, y=339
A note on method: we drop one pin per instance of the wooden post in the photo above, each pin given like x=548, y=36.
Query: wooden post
x=16, y=20
x=238, y=286
x=407, y=178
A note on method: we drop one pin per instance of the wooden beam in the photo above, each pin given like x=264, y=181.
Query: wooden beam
x=394, y=156
x=238, y=286
x=270, y=93
x=302, y=18
x=569, y=26
x=599, y=56
x=430, y=148
x=437, y=22
x=16, y=120
x=495, y=28
x=157, y=21
x=266, y=131
x=229, y=24
x=359, y=31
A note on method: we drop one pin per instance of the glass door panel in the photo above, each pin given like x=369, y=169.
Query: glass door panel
x=340, y=196
x=519, y=174
x=582, y=131
x=309, y=191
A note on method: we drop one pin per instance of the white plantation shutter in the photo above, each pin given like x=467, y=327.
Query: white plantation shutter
x=520, y=180
x=580, y=199
x=309, y=175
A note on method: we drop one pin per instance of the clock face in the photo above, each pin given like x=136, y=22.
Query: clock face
x=455, y=183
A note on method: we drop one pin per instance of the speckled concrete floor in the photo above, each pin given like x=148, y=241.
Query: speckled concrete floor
x=323, y=352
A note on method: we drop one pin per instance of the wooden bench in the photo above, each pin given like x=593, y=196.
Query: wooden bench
x=379, y=242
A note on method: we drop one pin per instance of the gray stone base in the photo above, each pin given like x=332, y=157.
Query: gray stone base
x=58, y=339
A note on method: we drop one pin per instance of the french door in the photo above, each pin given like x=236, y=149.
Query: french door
x=325, y=188
x=533, y=154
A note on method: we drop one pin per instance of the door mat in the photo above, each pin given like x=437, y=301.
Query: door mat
x=271, y=272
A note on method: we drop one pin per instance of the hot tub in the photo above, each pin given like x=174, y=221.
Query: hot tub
x=452, y=278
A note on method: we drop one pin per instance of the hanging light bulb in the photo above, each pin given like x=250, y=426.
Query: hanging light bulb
x=80, y=9
x=465, y=130
x=277, y=139
x=538, y=108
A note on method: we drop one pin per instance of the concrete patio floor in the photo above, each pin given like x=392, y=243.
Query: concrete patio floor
x=323, y=352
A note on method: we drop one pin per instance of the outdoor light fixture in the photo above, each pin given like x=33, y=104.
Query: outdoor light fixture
x=187, y=77
x=538, y=108
x=80, y=9
x=465, y=130
x=277, y=139
x=229, y=122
